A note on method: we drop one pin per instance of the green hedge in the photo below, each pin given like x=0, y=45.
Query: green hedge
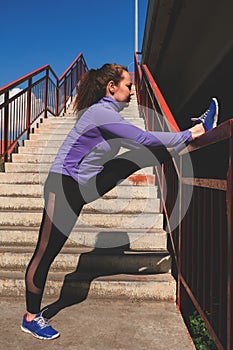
x=200, y=334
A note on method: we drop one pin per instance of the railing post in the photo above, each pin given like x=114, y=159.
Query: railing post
x=64, y=97
x=77, y=74
x=57, y=98
x=46, y=94
x=28, y=112
x=71, y=85
x=229, y=206
x=6, y=126
x=179, y=265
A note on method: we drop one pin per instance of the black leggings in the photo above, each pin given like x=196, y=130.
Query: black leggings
x=64, y=199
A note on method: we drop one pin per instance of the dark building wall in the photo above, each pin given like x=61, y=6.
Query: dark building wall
x=188, y=47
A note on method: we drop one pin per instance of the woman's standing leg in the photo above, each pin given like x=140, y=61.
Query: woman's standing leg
x=63, y=203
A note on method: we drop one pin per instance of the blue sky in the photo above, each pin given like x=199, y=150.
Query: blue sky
x=35, y=33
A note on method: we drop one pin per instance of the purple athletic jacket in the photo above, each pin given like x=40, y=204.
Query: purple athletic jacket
x=97, y=137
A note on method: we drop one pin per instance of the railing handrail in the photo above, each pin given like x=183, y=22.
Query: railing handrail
x=33, y=73
x=218, y=134
x=160, y=99
x=70, y=67
x=24, y=78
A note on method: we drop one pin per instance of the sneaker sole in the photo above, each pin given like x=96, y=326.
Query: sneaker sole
x=216, y=114
x=38, y=336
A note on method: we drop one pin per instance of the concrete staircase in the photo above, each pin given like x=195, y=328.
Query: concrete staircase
x=118, y=247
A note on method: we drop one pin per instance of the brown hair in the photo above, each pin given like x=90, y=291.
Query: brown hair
x=93, y=85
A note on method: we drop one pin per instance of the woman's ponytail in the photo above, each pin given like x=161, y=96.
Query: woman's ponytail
x=93, y=85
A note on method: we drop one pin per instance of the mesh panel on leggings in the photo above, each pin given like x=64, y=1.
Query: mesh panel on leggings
x=42, y=245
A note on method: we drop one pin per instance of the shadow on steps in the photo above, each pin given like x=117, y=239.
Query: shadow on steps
x=76, y=285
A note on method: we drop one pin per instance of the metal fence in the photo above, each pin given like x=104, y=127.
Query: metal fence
x=201, y=242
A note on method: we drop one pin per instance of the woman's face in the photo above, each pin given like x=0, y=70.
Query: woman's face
x=122, y=91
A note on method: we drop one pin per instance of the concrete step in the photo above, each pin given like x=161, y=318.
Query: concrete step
x=36, y=178
x=123, y=191
x=45, y=150
x=56, y=136
x=52, y=126
x=61, y=132
x=61, y=120
x=44, y=157
x=117, y=205
x=38, y=152
x=31, y=150
x=64, y=129
x=47, y=137
x=132, y=116
x=107, y=220
x=112, y=261
x=32, y=158
x=45, y=167
x=58, y=130
x=157, y=287
x=42, y=143
x=137, y=239
x=12, y=190
x=132, y=113
x=27, y=168
x=23, y=178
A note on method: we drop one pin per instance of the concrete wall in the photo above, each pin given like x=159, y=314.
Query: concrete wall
x=188, y=46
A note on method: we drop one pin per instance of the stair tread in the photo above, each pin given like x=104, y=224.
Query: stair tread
x=85, y=250
x=137, y=239
x=83, y=229
x=83, y=276
x=33, y=211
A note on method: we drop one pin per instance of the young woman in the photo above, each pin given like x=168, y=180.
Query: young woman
x=86, y=167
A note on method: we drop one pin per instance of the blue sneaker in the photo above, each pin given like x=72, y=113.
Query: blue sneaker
x=210, y=117
x=39, y=328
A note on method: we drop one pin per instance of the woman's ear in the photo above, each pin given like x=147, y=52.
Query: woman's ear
x=110, y=88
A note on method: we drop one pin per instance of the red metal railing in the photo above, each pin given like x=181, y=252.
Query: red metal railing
x=202, y=240
x=35, y=95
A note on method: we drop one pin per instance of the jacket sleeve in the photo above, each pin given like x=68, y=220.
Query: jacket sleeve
x=117, y=127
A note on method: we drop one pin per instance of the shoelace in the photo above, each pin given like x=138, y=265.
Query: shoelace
x=202, y=117
x=41, y=321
